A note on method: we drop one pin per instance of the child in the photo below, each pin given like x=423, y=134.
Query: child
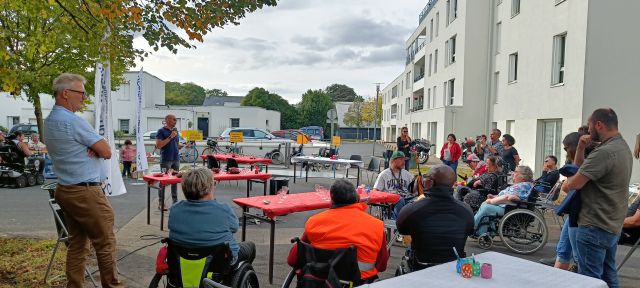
x=127, y=154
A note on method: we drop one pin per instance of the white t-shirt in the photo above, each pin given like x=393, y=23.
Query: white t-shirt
x=392, y=182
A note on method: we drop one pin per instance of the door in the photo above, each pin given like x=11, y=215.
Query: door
x=203, y=125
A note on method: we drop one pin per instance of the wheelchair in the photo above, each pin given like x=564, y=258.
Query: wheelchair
x=410, y=263
x=317, y=267
x=205, y=267
x=18, y=170
x=522, y=228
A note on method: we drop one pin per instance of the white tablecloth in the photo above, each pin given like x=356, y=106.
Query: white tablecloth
x=325, y=160
x=508, y=271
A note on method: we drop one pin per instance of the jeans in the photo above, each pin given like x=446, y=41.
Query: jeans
x=452, y=164
x=398, y=207
x=175, y=165
x=597, y=254
x=486, y=210
x=406, y=164
x=126, y=168
x=246, y=253
x=566, y=250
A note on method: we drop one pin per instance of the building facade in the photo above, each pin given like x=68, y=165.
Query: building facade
x=544, y=67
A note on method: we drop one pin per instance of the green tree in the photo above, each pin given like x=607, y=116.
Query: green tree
x=184, y=93
x=313, y=109
x=340, y=92
x=369, y=111
x=216, y=92
x=42, y=39
x=354, y=116
x=260, y=97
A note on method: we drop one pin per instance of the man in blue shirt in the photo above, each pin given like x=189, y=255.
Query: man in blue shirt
x=167, y=141
x=201, y=221
x=77, y=152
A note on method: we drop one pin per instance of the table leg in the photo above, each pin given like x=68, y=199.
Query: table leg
x=148, y=204
x=294, y=172
x=245, y=210
x=306, y=177
x=162, y=190
x=271, y=246
x=248, y=184
x=358, y=179
x=334, y=171
x=266, y=168
x=265, y=187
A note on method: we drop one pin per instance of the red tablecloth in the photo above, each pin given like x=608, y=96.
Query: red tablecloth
x=222, y=176
x=299, y=202
x=243, y=159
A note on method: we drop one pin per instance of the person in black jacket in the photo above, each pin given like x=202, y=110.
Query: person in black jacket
x=550, y=174
x=438, y=222
x=404, y=145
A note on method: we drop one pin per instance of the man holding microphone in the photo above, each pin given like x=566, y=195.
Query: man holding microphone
x=78, y=153
x=167, y=141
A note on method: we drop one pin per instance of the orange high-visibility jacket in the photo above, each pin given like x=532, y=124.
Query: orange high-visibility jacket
x=348, y=225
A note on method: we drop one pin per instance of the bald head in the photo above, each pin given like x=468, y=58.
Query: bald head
x=442, y=175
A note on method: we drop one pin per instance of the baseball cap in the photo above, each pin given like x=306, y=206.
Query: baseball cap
x=397, y=154
x=473, y=158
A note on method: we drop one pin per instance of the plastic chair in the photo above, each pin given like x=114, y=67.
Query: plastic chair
x=353, y=157
x=626, y=257
x=212, y=162
x=374, y=167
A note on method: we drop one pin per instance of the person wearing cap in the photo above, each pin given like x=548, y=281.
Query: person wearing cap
x=347, y=223
x=395, y=179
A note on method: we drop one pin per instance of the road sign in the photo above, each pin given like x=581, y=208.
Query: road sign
x=192, y=135
x=335, y=141
x=235, y=137
x=332, y=114
x=302, y=139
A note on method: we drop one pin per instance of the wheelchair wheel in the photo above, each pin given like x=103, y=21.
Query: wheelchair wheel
x=31, y=179
x=155, y=281
x=21, y=181
x=523, y=231
x=39, y=179
x=289, y=279
x=245, y=277
x=485, y=241
x=276, y=158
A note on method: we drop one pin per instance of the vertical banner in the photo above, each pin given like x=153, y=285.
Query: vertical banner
x=141, y=155
x=113, y=185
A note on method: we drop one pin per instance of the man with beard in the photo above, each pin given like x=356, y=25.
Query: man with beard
x=602, y=181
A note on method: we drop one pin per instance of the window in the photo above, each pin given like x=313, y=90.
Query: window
x=394, y=92
x=451, y=92
x=432, y=131
x=394, y=111
x=123, y=125
x=408, y=80
x=499, y=2
x=235, y=122
x=435, y=62
x=447, y=11
x=450, y=51
x=498, y=37
x=434, y=97
x=260, y=134
x=444, y=93
x=496, y=83
x=401, y=90
x=559, y=44
x=124, y=92
x=407, y=106
x=437, y=23
x=12, y=120
x=551, y=139
x=510, y=125
x=415, y=130
x=430, y=60
x=513, y=67
x=452, y=10
x=431, y=31
x=515, y=7
x=429, y=98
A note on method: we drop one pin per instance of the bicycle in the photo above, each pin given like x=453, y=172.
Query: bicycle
x=189, y=152
x=213, y=148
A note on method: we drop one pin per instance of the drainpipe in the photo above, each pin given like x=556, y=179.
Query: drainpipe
x=491, y=73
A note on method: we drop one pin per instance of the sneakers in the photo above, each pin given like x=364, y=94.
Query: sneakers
x=399, y=238
x=573, y=268
x=548, y=261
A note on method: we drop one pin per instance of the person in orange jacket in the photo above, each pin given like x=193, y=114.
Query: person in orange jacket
x=345, y=224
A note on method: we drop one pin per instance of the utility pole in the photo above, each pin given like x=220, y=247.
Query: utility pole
x=375, y=121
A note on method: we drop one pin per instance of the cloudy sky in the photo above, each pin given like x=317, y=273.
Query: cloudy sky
x=298, y=45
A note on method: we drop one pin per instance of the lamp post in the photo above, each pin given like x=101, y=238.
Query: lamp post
x=375, y=120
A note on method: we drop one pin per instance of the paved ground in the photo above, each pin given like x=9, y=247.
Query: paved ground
x=25, y=212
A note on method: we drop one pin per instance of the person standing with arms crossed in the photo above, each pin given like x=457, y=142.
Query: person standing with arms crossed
x=78, y=151
x=404, y=145
x=167, y=142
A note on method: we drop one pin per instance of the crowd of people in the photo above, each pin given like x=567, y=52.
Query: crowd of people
x=436, y=210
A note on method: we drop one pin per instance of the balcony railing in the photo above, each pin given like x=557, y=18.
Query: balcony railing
x=418, y=77
x=425, y=10
x=417, y=108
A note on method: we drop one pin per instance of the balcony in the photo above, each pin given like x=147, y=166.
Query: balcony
x=418, y=77
x=426, y=10
x=417, y=107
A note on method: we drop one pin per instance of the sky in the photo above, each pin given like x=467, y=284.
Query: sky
x=295, y=46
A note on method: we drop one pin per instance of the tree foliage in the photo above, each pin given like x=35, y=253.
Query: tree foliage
x=341, y=92
x=260, y=97
x=216, y=92
x=313, y=109
x=354, y=115
x=369, y=111
x=183, y=93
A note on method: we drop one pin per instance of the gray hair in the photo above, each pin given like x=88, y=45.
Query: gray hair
x=526, y=173
x=197, y=183
x=64, y=81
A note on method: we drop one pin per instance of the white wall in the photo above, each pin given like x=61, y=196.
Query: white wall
x=612, y=66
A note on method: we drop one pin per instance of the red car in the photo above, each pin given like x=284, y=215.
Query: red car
x=290, y=134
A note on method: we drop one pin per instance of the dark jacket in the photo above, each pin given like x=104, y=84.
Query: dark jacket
x=549, y=178
x=436, y=225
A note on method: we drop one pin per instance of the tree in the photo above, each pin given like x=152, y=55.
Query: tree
x=46, y=38
x=184, y=93
x=354, y=116
x=216, y=92
x=341, y=92
x=260, y=97
x=369, y=111
x=313, y=109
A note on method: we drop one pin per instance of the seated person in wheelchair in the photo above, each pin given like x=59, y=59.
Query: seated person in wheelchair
x=550, y=175
x=631, y=226
x=436, y=222
x=495, y=205
x=487, y=182
x=396, y=179
x=17, y=139
x=347, y=223
x=201, y=221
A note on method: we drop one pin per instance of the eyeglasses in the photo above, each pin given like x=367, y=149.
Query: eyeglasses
x=84, y=93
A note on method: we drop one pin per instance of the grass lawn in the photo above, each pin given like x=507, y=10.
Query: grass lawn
x=23, y=262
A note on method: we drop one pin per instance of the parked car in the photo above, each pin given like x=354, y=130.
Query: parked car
x=151, y=135
x=25, y=128
x=248, y=134
x=316, y=132
x=290, y=134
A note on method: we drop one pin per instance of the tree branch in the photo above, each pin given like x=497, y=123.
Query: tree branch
x=73, y=17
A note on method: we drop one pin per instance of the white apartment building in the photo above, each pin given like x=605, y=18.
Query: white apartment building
x=550, y=64
x=211, y=119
